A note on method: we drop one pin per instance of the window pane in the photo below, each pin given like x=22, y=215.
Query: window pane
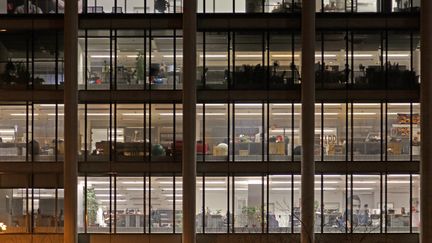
x=14, y=209
x=162, y=131
x=162, y=205
x=249, y=132
x=98, y=132
x=367, y=131
x=365, y=204
x=131, y=63
x=415, y=203
x=416, y=139
x=250, y=72
x=99, y=63
x=334, y=140
x=99, y=198
x=398, y=203
x=44, y=137
x=216, y=208
x=13, y=133
x=44, y=203
x=398, y=131
x=162, y=69
x=280, y=132
x=248, y=204
x=215, y=73
x=280, y=204
x=334, y=192
x=130, y=205
x=130, y=144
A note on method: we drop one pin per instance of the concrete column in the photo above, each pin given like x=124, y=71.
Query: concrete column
x=189, y=120
x=71, y=120
x=426, y=122
x=308, y=121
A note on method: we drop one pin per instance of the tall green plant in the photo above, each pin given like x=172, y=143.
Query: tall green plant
x=92, y=206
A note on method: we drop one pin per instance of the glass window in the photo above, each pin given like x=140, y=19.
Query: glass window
x=296, y=207
x=101, y=6
x=318, y=138
x=399, y=131
x=44, y=138
x=14, y=205
x=334, y=5
x=162, y=69
x=45, y=210
x=334, y=132
x=284, y=6
x=402, y=5
x=248, y=132
x=318, y=209
x=217, y=6
x=216, y=208
x=400, y=73
x=280, y=132
x=398, y=203
x=296, y=133
x=132, y=61
x=99, y=61
x=98, y=130
x=161, y=131
x=334, y=203
x=365, y=61
x=130, y=144
x=130, y=205
x=100, y=203
x=215, y=74
x=250, y=71
x=15, y=60
x=334, y=62
x=216, y=132
x=416, y=138
x=364, y=204
x=45, y=49
x=284, y=70
x=199, y=207
x=367, y=131
x=81, y=204
x=415, y=203
x=131, y=6
x=248, y=204
x=162, y=205
x=13, y=133
x=177, y=199
x=280, y=204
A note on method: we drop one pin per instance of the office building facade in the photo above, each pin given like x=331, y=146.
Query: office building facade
x=291, y=121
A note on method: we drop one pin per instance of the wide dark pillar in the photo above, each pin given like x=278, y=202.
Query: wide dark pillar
x=189, y=120
x=426, y=122
x=71, y=120
x=308, y=121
